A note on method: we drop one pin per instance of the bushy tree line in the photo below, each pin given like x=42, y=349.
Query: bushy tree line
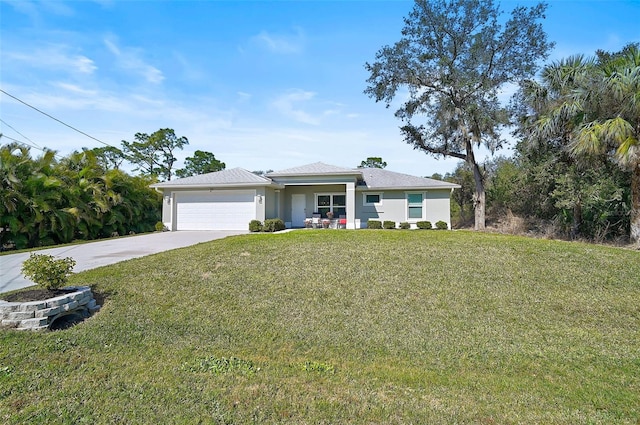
x=577, y=162
x=46, y=201
x=552, y=193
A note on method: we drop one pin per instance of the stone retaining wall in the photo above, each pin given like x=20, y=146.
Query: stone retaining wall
x=39, y=315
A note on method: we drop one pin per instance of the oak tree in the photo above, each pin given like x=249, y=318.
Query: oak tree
x=447, y=70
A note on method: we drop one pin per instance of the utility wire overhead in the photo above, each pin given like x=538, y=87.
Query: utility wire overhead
x=27, y=144
x=56, y=119
x=34, y=144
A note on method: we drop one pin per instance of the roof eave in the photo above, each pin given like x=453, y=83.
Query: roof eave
x=216, y=185
x=333, y=173
x=361, y=188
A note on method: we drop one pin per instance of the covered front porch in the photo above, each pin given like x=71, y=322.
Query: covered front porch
x=318, y=205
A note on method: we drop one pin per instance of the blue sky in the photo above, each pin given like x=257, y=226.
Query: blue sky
x=262, y=85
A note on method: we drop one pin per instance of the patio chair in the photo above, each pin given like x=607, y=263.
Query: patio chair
x=342, y=222
x=316, y=221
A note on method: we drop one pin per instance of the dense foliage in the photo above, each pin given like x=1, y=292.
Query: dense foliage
x=46, y=201
x=576, y=165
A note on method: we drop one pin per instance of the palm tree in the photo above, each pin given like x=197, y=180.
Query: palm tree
x=593, y=107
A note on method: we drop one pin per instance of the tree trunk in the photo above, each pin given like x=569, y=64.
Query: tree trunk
x=479, y=199
x=635, y=205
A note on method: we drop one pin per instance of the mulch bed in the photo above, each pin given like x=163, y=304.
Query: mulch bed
x=34, y=295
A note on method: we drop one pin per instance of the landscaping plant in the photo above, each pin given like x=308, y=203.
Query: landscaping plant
x=46, y=271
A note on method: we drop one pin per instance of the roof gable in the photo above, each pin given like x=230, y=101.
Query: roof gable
x=233, y=176
x=317, y=168
x=377, y=178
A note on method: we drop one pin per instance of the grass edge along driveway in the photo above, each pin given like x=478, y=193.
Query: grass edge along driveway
x=323, y=326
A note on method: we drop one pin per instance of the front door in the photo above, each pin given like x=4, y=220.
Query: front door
x=298, y=209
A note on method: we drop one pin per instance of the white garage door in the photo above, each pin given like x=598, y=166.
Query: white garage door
x=222, y=210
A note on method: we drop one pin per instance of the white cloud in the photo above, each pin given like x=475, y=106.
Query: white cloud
x=287, y=105
x=243, y=96
x=75, y=89
x=281, y=44
x=131, y=59
x=32, y=8
x=55, y=57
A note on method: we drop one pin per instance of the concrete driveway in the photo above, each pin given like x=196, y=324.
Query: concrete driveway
x=101, y=253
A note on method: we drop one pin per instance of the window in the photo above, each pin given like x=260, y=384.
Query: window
x=371, y=199
x=414, y=202
x=334, y=202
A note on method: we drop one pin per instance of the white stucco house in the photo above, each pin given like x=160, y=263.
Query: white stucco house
x=230, y=199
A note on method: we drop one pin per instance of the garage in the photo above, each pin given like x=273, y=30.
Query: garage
x=215, y=210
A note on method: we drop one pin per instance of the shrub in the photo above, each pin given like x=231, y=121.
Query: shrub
x=46, y=271
x=273, y=225
x=255, y=226
x=441, y=225
x=374, y=224
x=160, y=227
x=424, y=225
x=405, y=225
x=388, y=224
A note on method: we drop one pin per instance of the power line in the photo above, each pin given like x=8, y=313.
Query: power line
x=56, y=119
x=27, y=144
x=35, y=145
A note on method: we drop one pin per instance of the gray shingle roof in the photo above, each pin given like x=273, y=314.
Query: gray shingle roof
x=230, y=177
x=377, y=178
x=317, y=168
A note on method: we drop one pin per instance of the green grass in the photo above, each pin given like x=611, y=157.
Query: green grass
x=362, y=327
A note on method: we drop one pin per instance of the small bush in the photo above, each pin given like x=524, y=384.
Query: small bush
x=46, y=271
x=160, y=227
x=374, y=224
x=388, y=224
x=426, y=225
x=273, y=225
x=405, y=225
x=441, y=225
x=255, y=226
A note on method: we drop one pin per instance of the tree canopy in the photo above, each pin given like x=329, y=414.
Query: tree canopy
x=201, y=162
x=452, y=59
x=153, y=153
x=373, y=162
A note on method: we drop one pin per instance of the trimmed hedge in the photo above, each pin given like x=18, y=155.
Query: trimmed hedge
x=270, y=225
x=426, y=225
x=255, y=226
x=388, y=224
x=405, y=225
x=441, y=225
x=374, y=224
x=273, y=225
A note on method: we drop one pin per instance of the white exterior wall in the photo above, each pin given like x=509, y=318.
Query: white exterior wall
x=439, y=206
x=394, y=207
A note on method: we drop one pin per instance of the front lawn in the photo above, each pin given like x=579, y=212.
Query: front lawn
x=340, y=326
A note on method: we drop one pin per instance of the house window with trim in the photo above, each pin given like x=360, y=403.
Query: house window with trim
x=371, y=199
x=414, y=205
x=334, y=202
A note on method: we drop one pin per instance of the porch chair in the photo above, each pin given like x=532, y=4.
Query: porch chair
x=316, y=221
x=342, y=222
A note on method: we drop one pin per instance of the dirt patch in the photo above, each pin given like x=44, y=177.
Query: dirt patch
x=35, y=295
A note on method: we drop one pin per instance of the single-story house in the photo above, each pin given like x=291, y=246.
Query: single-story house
x=230, y=199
